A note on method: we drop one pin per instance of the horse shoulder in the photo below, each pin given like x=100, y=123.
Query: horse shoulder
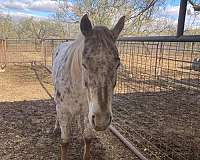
x=59, y=58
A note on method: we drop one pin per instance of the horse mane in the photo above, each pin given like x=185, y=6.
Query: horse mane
x=76, y=49
x=68, y=60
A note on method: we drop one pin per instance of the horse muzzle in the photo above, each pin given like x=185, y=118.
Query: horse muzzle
x=101, y=126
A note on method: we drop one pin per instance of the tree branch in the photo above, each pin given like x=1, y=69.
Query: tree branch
x=195, y=6
x=152, y=3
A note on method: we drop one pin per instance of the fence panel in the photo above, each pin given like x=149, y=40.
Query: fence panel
x=23, y=50
x=158, y=66
x=156, y=101
x=157, y=98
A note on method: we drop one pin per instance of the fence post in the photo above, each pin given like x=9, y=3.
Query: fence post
x=1, y=51
x=3, y=60
x=5, y=50
x=43, y=50
x=52, y=54
x=156, y=62
x=181, y=18
x=160, y=61
x=45, y=53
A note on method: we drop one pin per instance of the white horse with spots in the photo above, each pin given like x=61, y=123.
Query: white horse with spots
x=84, y=76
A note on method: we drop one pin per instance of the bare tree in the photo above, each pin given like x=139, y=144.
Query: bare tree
x=40, y=29
x=195, y=6
x=106, y=12
x=6, y=27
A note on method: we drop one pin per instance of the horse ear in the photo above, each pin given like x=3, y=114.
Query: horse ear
x=118, y=27
x=85, y=25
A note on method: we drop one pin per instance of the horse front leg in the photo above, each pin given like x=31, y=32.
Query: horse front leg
x=56, y=130
x=87, y=147
x=88, y=136
x=65, y=127
x=64, y=148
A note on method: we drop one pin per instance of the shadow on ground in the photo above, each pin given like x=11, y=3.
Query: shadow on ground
x=163, y=125
x=25, y=133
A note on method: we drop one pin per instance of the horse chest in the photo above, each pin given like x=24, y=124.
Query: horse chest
x=72, y=100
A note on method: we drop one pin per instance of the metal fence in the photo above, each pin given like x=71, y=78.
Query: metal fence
x=2, y=52
x=21, y=51
x=157, y=98
x=152, y=66
x=28, y=50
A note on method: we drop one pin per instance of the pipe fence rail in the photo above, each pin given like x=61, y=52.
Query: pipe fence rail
x=157, y=96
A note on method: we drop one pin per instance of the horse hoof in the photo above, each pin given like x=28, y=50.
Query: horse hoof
x=86, y=157
x=64, y=147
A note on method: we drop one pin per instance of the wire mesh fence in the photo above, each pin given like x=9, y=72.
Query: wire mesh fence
x=18, y=81
x=21, y=51
x=2, y=53
x=157, y=98
x=158, y=66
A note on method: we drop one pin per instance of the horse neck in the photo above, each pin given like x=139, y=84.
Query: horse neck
x=76, y=65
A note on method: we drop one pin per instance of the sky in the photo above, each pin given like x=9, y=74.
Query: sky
x=43, y=9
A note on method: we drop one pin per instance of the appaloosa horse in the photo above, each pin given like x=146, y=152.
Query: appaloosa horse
x=84, y=76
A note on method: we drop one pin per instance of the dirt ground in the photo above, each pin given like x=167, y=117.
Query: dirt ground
x=163, y=125
x=25, y=131
x=19, y=82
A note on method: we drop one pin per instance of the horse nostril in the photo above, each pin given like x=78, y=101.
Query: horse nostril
x=93, y=120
